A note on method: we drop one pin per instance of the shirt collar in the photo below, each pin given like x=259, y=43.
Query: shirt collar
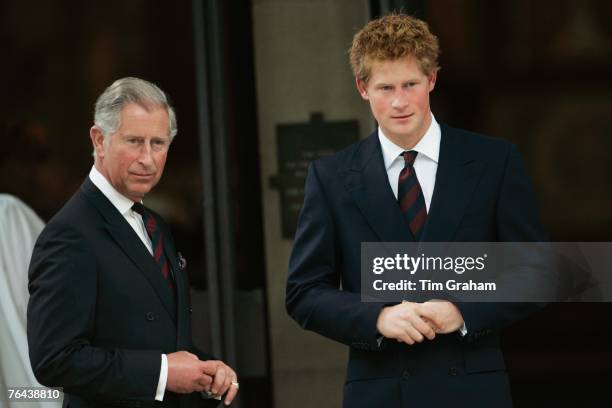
x=121, y=202
x=428, y=146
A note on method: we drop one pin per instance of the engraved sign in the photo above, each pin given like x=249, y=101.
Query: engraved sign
x=299, y=144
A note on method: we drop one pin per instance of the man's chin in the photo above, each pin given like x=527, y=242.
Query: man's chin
x=138, y=193
x=403, y=132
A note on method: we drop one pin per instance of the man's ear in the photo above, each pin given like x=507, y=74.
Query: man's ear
x=362, y=88
x=432, y=80
x=97, y=140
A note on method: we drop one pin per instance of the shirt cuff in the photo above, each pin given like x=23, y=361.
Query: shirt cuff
x=463, y=330
x=163, y=379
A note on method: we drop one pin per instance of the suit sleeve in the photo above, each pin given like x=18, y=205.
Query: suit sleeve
x=61, y=315
x=313, y=296
x=517, y=221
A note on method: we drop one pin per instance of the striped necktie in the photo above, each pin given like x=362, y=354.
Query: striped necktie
x=410, y=196
x=157, y=241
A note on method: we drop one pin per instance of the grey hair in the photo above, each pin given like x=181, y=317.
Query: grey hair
x=107, y=115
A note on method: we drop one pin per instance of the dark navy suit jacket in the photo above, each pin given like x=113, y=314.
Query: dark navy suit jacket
x=100, y=312
x=481, y=194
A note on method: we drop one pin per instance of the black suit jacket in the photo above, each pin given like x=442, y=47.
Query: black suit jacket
x=100, y=312
x=481, y=194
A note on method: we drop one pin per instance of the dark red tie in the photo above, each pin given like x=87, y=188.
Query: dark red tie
x=410, y=196
x=157, y=241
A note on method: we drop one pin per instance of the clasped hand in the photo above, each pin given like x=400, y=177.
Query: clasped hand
x=187, y=374
x=411, y=323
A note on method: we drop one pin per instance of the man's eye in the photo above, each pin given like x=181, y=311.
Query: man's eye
x=159, y=142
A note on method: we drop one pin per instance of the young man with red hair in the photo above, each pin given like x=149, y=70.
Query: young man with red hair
x=413, y=179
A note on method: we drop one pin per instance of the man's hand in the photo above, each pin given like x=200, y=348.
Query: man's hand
x=187, y=374
x=442, y=314
x=403, y=322
x=224, y=379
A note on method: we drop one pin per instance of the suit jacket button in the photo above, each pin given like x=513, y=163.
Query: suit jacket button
x=150, y=316
x=452, y=371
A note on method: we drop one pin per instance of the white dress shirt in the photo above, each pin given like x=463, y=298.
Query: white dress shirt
x=425, y=165
x=124, y=206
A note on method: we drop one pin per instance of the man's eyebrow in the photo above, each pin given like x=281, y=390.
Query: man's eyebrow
x=128, y=135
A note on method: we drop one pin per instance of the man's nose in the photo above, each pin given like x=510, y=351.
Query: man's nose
x=146, y=155
x=400, y=100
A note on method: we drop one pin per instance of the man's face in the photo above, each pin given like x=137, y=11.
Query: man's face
x=398, y=92
x=133, y=159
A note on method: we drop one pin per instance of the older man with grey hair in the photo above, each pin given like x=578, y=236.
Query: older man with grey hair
x=109, y=313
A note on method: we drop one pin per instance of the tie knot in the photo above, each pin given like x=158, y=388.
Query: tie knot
x=409, y=157
x=139, y=208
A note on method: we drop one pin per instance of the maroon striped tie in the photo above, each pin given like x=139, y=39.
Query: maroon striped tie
x=410, y=196
x=157, y=242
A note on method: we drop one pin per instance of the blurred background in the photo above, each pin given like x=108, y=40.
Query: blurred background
x=263, y=87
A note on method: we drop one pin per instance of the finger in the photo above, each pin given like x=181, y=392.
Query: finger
x=218, y=381
x=231, y=394
x=228, y=381
x=405, y=337
x=431, y=324
x=437, y=327
x=424, y=328
x=209, y=367
x=414, y=334
x=429, y=316
x=399, y=333
x=202, y=383
x=199, y=387
x=205, y=381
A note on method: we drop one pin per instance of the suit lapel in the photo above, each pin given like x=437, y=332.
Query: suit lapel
x=131, y=245
x=171, y=255
x=456, y=179
x=368, y=184
x=182, y=292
